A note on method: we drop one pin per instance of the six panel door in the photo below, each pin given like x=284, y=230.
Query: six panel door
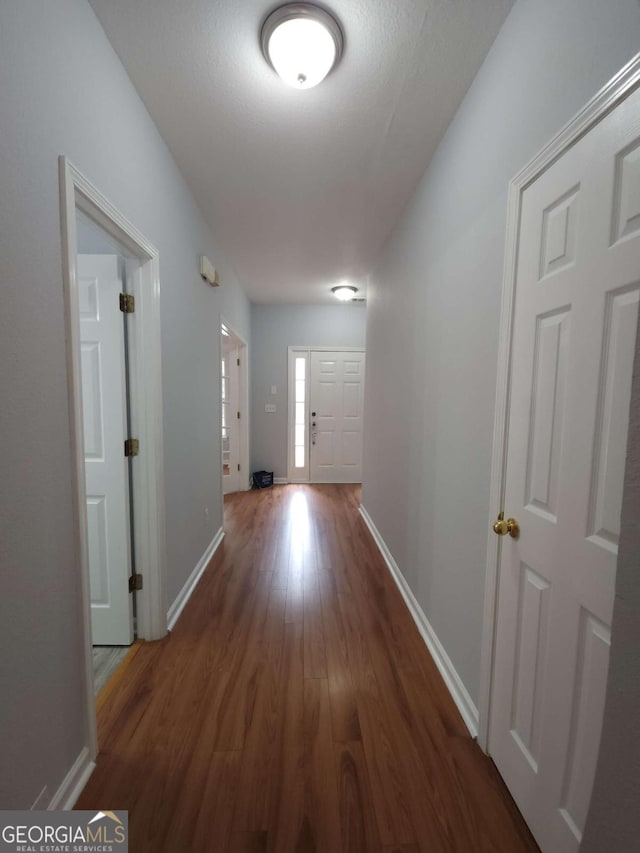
x=336, y=397
x=230, y=423
x=106, y=474
x=575, y=320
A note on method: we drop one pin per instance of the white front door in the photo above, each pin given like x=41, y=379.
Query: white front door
x=335, y=411
x=576, y=313
x=106, y=472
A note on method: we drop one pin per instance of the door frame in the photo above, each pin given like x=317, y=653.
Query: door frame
x=76, y=191
x=609, y=97
x=243, y=404
x=292, y=351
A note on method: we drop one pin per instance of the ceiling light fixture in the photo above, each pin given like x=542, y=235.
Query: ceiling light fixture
x=344, y=292
x=302, y=43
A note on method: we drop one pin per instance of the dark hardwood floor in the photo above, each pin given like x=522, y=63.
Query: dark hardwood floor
x=294, y=707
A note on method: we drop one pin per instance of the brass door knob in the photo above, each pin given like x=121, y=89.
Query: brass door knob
x=510, y=526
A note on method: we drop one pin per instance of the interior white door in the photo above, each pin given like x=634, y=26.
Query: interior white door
x=576, y=313
x=106, y=472
x=230, y=419
x=335, y=409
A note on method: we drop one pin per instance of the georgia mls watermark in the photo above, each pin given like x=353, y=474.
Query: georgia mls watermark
x=64, y=832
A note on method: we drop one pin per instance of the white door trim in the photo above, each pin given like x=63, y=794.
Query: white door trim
x=243, y=403
x=328, y=349
x=146, y=390
x=615, y=91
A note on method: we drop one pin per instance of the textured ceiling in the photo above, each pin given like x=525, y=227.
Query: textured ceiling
x=301, y=188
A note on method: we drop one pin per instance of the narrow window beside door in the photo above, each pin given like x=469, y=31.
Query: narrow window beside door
x=300, y=413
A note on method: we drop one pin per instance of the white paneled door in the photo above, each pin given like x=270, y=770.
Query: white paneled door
x=576, y=313
x=106, y=473
x=230, y=421
x=335, y=411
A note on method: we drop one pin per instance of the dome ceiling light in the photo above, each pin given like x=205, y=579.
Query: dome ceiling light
x=302, y=43
x=344, y=292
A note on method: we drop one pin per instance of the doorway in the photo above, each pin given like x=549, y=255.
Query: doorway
x=568, y=341
x=326, y=394
x=234, y=409
x=120, y=257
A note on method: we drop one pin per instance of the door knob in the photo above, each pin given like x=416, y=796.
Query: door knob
x=510, y=526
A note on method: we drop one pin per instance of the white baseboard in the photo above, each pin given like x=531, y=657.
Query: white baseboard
x=185, y=593
x=280, y=481
x=67, y=794
x=458, y=691
x=41, y=802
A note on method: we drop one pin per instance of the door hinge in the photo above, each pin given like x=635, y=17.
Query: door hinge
x=238, y=362
x=127, y=303
x=238, y=415
x=135, y=583
x=131, y=447
x=238, y=466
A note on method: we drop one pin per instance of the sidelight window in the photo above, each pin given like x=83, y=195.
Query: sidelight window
x=300, y=409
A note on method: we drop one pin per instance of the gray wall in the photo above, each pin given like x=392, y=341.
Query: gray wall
x=433, y=314
x=64, y=91
x=434, y=303
x=274, y=328
x=91, y=239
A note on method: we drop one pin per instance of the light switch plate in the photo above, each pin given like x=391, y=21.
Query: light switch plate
x=274, y=389
x=270, y=407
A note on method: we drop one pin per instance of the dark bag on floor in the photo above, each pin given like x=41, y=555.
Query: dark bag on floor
x=262, y=479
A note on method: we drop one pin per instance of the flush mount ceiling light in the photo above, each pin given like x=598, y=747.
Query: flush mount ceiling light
x=344, y=292
x=302, y=43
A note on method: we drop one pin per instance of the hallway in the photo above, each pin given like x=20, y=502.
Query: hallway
x=295, y=706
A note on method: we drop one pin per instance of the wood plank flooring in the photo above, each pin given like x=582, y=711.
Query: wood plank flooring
x=294, y=707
